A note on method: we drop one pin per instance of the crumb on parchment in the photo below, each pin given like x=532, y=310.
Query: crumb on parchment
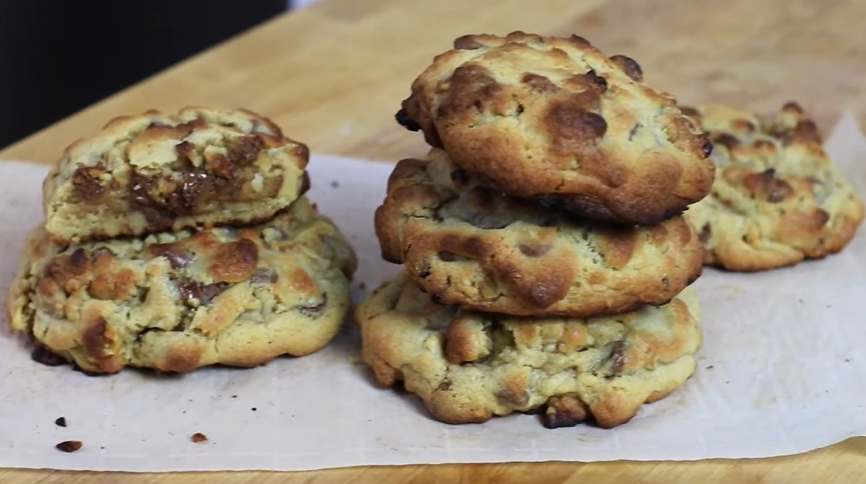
x=69, y=446
x=198, y=437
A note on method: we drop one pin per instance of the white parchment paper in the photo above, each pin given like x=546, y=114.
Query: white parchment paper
x=782, y=372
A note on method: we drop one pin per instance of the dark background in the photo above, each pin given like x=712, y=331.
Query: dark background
x=60, y=56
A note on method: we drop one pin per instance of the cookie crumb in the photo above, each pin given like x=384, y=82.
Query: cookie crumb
x=198, y=437
x=234, y=396
x=69, y=446
x=254, y=409
x=334, y=184
x=710, y=367
x=60, y=422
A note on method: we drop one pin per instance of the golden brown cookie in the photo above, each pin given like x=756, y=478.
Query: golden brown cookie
x=557, y=120
x=472, y=246
x=153, y=173
x=179, y=301
x=468, y=366
x=777, y=198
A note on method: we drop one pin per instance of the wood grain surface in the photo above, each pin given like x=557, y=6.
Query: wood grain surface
x=334, y=74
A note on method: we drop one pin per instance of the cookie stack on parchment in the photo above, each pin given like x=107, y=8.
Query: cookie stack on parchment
x=176, y=242
x=546, y=260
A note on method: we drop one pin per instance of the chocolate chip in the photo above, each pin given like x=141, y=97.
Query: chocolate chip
x=86, y=185
x=617, y=360
x=793, y=106
x=707, y=148
x=444, y=386
x=564, y=411
x=263, y=275
x=60, y=422
x=43, y=355
x=447, y=256
x=69, y=446
x=597, y=80
x=690, y=111
x=580, y=41
x=725, y=139
x=539, y=83
x=315, y=309
x=405, y=121
x=467, y=42
x=244, y=151
x=536, y=250
x=629, y=66
x=194, y=293
x=706, y=233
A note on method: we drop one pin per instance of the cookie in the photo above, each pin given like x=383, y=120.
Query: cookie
x=470, y=366
x=476, y=247
x=179, y=301
x=555, y=119
x=153, y=173
x=777, y=198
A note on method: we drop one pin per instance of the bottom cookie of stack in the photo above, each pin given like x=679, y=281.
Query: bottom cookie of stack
x=180, y=301
x=469, y=366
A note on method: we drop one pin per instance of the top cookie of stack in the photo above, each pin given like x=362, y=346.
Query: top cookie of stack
x=557, y=121
x=153, y=173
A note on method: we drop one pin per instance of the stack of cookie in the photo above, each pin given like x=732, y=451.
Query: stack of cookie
x=546, y=260
x=175, y=242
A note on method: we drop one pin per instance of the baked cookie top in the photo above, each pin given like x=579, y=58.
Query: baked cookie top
x=154, y=172
x=468, y=366
x=557, y=120
x=777, y=197
x=178, y=301
x=469, y=245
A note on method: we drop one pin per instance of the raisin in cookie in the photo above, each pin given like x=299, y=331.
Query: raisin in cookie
x=153, y=173
x=777, y=198
x=179, y=301
x=469, y=366
x=557, y=120
x=476, y=247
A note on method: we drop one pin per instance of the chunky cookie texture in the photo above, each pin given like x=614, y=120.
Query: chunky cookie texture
x=468, y=366
x=777, y=198
x=179, y=301
x=556, y=120
x=153, y=173
x=466, y=244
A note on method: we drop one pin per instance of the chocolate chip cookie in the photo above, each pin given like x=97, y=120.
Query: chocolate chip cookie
x=468, y=366
x=466, y=244
x=777, y=198
x=556, y=120
x=153, y=173
x=179, y=301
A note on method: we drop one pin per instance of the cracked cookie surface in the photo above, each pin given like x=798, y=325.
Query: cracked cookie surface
x=469, y=366
x=179, y=301
x=777, y=199
x=476, y=247
x=154, y=172
x=557, y=120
